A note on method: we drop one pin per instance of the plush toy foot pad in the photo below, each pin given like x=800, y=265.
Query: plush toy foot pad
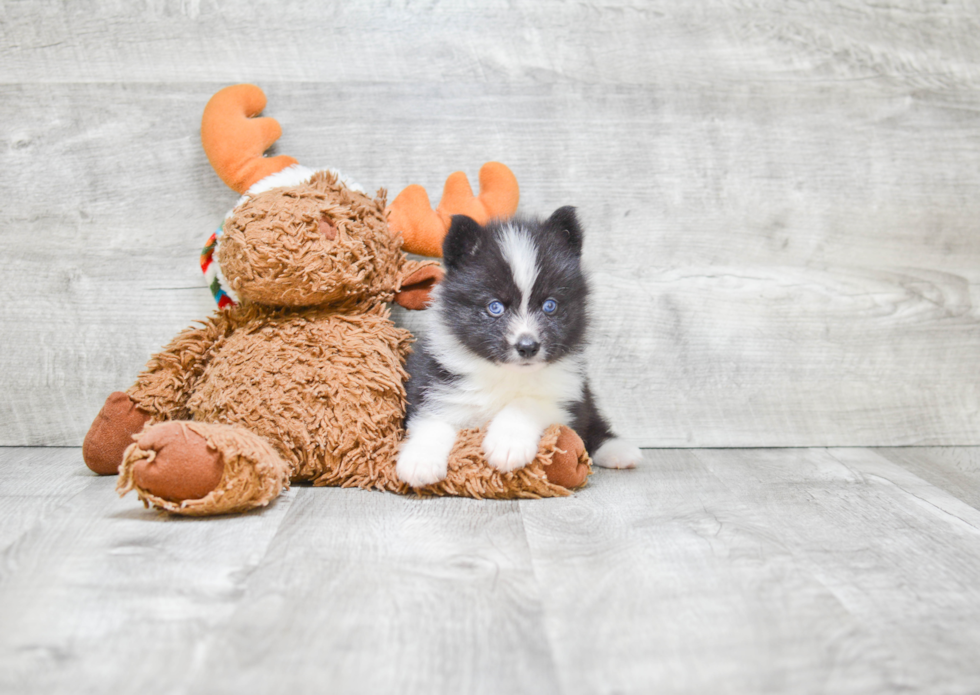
x=111, y=432
x=569, y=466
x=179, y=465
x=202, y=469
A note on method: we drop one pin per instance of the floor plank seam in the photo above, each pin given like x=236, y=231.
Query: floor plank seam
x=545, y=622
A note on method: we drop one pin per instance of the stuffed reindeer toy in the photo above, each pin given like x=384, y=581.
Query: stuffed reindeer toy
x=300, y=376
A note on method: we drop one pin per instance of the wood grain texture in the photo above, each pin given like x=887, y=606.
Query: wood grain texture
x=666, y=580
x=375, y=593
x=898, y=554
x=760, y=571
x=954, y=469
x=779, y=199
x=715, y=571
x=616, y=42
x=91, y=585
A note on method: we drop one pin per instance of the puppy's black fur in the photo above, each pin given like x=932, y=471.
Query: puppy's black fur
x=480, y=269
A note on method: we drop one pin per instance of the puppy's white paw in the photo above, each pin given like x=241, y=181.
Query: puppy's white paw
x=510, y=443
x=424, y=455
x=417, y=467
x=617, y=453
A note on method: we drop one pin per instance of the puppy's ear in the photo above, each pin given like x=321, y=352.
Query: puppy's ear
x=462, y=241
x=565, y=222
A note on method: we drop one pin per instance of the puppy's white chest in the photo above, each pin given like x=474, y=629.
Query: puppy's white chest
x=475, y=398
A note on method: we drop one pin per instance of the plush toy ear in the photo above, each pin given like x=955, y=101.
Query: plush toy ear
x=462, y=240
x=565, y=221
x=416, y=288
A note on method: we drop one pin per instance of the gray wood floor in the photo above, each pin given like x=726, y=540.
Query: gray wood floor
x=705, y=571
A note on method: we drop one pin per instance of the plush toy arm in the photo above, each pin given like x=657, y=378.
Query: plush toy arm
x=423, y=228
x=163, y=388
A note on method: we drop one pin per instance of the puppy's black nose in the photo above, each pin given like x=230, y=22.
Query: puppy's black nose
x=527, y=346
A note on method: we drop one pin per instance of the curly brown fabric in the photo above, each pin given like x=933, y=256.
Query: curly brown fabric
x=326, y=389
x=164, y=386
x=274, y=250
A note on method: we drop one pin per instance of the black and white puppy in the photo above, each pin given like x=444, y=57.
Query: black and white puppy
x=505, y=346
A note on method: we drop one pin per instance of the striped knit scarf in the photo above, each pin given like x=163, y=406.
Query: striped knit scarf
x=223, y=294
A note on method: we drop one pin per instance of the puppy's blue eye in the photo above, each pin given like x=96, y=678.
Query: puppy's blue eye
x=549, y=306
x=495, y=308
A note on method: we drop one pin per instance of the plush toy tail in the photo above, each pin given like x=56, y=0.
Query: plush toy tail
x=423, y=228
x=235, y=141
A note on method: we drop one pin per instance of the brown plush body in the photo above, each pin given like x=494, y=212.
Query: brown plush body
x=304, y=379
x=325, y=389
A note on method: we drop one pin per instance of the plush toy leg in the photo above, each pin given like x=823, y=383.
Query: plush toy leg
x=562, y=464
x=111, y=433
x=202, y=469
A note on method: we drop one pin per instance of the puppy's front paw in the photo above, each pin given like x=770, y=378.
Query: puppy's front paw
x=510, y=444
x=424, y=456
x=617, y=453
x=418, y=466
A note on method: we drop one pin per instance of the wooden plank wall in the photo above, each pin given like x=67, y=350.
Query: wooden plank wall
x=781, y=199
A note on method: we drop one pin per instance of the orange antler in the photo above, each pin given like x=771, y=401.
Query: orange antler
x=234, y=141
x=423, y=228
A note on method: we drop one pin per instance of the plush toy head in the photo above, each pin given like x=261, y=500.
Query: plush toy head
x=315, y=243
